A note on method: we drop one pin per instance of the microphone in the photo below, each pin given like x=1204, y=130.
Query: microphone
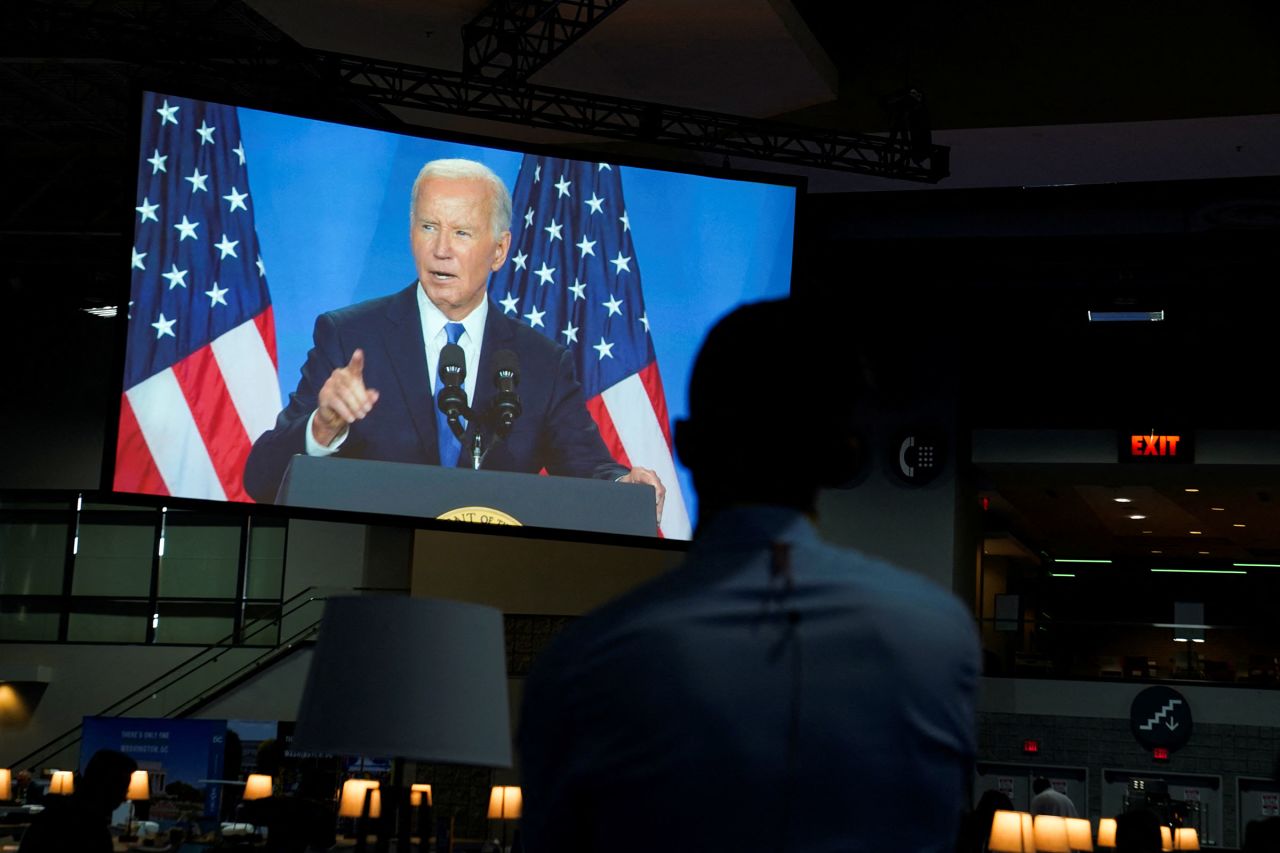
x=452, y=400
x=506, y=377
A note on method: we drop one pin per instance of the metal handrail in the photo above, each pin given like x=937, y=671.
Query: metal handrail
x=211, y=654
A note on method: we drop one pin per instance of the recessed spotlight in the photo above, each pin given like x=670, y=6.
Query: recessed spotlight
x=1123, y=500
x=1155, y=551
x=1203, y=553
x=1192, y=491
x=1137, y=517
x=1218, y=508
x=1148, y=531
x=1194, y=532
x=1237, y=525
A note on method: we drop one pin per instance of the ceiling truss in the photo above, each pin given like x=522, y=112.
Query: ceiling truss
x=511, y=39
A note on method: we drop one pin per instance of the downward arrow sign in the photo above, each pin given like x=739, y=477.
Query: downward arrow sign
x=1172, y=724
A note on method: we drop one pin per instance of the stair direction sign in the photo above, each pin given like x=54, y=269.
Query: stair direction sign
x=1160, y=716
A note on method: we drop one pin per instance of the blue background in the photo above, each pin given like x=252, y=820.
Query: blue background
x=331, y=205
x=193, y=749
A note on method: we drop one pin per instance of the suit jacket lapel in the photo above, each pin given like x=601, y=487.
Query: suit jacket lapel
x=408, y=355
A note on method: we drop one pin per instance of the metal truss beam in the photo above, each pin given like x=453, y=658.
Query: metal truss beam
x=244, y=57
x=399, y=85
x=511, y=39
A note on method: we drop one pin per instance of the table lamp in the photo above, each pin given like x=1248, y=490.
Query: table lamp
x=407, y=678
x=361, y=799
x=1186, y=838
x=352, y=801
x=139, y=789
x=1107, y=832
x=505, y=803
x=422, y=819
x=1011, y=832
x=1051, y=834
x=257, y=786
x=1079, y=834
x=6, y=784
x=1166, y=838
x=62, y=782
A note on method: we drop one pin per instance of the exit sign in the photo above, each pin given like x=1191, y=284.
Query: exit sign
x=1157, y=447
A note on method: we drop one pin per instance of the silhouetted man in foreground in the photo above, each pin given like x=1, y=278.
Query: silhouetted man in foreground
x=774, y=692
x=81, y=822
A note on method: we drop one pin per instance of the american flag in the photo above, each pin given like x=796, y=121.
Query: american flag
x=572, y=274
x=200, y=365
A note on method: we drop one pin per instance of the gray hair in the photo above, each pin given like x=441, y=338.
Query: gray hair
x=500, y=196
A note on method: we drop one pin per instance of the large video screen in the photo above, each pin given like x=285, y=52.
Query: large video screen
x=292, y=295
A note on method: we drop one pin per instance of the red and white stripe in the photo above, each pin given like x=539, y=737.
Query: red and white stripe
x=632, y=416
x=187, y=430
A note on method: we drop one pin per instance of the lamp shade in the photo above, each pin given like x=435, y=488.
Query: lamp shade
x=62, y=782
x=1011, y=833
x=416, y=678
x=1051, y=834
x=352, y=801
x=1079, y=834
x=417, y=792
x=1166, y=838
x=505, y=802
x=257, y=786
x=139, y=786
x=1186, y=838
x=6, y=784
x=1107, y=832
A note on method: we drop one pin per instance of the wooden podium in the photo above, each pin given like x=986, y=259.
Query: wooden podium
x=461, y=494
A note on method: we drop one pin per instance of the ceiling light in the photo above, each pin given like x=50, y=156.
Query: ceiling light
x=1137, y=517
x=1259, y=565
x=1196, y=640
x=1125, y=316
x=1077, y=560
x=1237, y=524
x=1203, y=553
x=1218, y=508
x=1061, y=575
x=1192, y=491
x=102, y=310
x=1123, y=500
x=1194, y=532
x=1147, y=531
x=1200, y=571
x=1154, y=551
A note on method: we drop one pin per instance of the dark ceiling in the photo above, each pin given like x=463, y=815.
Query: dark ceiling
x=1005, y=64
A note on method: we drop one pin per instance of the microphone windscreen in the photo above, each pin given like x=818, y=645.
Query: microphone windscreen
x=505, y=361
x=453, y=363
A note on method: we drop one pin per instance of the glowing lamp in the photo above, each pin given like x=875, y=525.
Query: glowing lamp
x=416, y=793
x=1107, y=832
x=139, y=786
x=257, y=786
x=353, y=796
x=1186, y=838
x=1079, y=834
x=1051, y=834
x=62, y=782
x=505, y=802
x=6, y=784
x=1166, y=838
x=1011, y=832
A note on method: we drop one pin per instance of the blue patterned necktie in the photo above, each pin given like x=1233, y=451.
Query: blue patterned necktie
x=448, y=443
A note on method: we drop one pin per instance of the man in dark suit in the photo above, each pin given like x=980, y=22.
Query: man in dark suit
x=368, y=387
